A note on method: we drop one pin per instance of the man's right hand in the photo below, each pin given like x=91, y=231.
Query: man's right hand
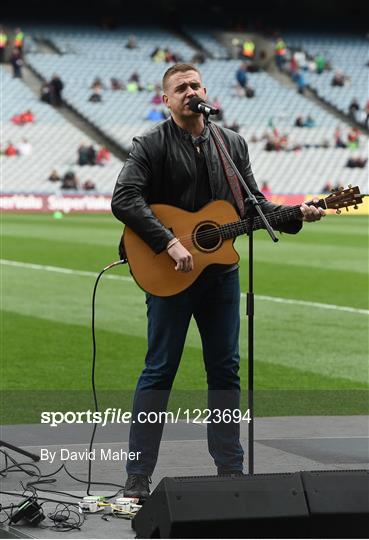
x=181, y=256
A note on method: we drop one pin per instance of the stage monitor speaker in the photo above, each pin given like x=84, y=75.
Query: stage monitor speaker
x=259, y=506
x=338, y=503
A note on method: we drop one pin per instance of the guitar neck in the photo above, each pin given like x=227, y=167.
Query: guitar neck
x=290, y=213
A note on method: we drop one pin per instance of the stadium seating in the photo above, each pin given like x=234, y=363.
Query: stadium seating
x=54, y=145
x=346, y=53
x=86, y=53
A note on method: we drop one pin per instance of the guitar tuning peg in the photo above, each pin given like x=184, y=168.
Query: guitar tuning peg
x=356, y=207
x=350, y=185
x=342, y=187
x=338, y=211
x=347, y=209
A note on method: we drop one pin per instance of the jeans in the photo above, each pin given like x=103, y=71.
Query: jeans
x=214, y=301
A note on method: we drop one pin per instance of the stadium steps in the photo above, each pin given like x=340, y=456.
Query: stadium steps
x=33, y=80
x=312, y=95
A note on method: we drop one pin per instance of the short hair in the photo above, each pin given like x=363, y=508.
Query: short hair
x=178, y=68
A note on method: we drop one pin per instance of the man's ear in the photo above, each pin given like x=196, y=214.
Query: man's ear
x=165, y=101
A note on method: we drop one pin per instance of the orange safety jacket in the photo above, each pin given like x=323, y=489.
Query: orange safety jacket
x=18, y=40
x=3, y=40
x=248, y=49
x=280, y=47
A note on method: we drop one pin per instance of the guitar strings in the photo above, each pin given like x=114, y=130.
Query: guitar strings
x=243, y=225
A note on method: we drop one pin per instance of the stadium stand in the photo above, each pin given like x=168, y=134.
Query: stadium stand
x=348, y=54
x=54, y=144
x=310, y=159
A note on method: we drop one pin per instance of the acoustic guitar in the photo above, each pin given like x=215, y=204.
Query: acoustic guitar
x=208, y=235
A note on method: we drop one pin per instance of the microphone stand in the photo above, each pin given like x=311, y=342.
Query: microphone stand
x=254, y=207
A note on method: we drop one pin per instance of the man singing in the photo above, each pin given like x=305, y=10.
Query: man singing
x=177, y=163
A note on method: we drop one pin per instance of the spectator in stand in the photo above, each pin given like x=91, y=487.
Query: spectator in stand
x=217, y=104
x=328, y=187
x=3, y=44
x=56, y=86
x=82, y=155
x=299, y=79
x=156, y=98
x=249, y=91
x=236, y=49
x=299, y=122
x=353, y=109
x=116, y=84
x=91, y=155
x=134, y=83
x=234, y=126
x=131, y=43
x=54, y=176
x=155, y=115
x=265, y=189
x=353, y=138
x=241, y=76
x=320, y=63
x=338, y=140
x=97, y=85
x=356, y=161
x=89, y=185
x=170, y=56
x=16, y=61
x=132, y=87
x=69, y=181
x=280, y=53
x=103, y=156
x=18, y=40
x=339, y=78
x=248, y=49
x=309, y=121
x=23, y=118
x=10, y=150
x=158, y=55
x=24, y=148
x=293, y=65
x=96, y=96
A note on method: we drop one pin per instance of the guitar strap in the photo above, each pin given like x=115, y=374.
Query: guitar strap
x=231, y=176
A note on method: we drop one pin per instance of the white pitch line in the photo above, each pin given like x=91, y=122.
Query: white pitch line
x=60, y=270
x=277, y=299
x=313, y=304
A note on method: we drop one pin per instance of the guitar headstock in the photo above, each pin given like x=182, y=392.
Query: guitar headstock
x=342, y=198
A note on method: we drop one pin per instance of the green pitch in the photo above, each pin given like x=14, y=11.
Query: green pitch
x=309, y=358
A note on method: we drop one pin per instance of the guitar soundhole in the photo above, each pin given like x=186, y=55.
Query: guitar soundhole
x=207, y=237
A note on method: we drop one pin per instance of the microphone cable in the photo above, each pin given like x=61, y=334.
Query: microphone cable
x=112, y=265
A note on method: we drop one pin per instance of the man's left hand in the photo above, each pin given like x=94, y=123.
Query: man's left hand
x=311, y=213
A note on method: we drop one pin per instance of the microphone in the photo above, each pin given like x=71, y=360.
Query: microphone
x=197, y=105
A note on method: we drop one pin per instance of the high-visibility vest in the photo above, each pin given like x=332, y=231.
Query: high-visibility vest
x=3, y=40
x=18, y=40
x=248, y=49
x=280, y=47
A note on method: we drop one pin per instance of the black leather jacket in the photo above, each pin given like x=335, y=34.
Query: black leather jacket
x=161, y=168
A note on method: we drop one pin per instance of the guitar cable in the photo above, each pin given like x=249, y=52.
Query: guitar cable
x=112, y=265
x=38, y=478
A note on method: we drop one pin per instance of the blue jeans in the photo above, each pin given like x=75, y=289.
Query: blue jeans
x=214, y=301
